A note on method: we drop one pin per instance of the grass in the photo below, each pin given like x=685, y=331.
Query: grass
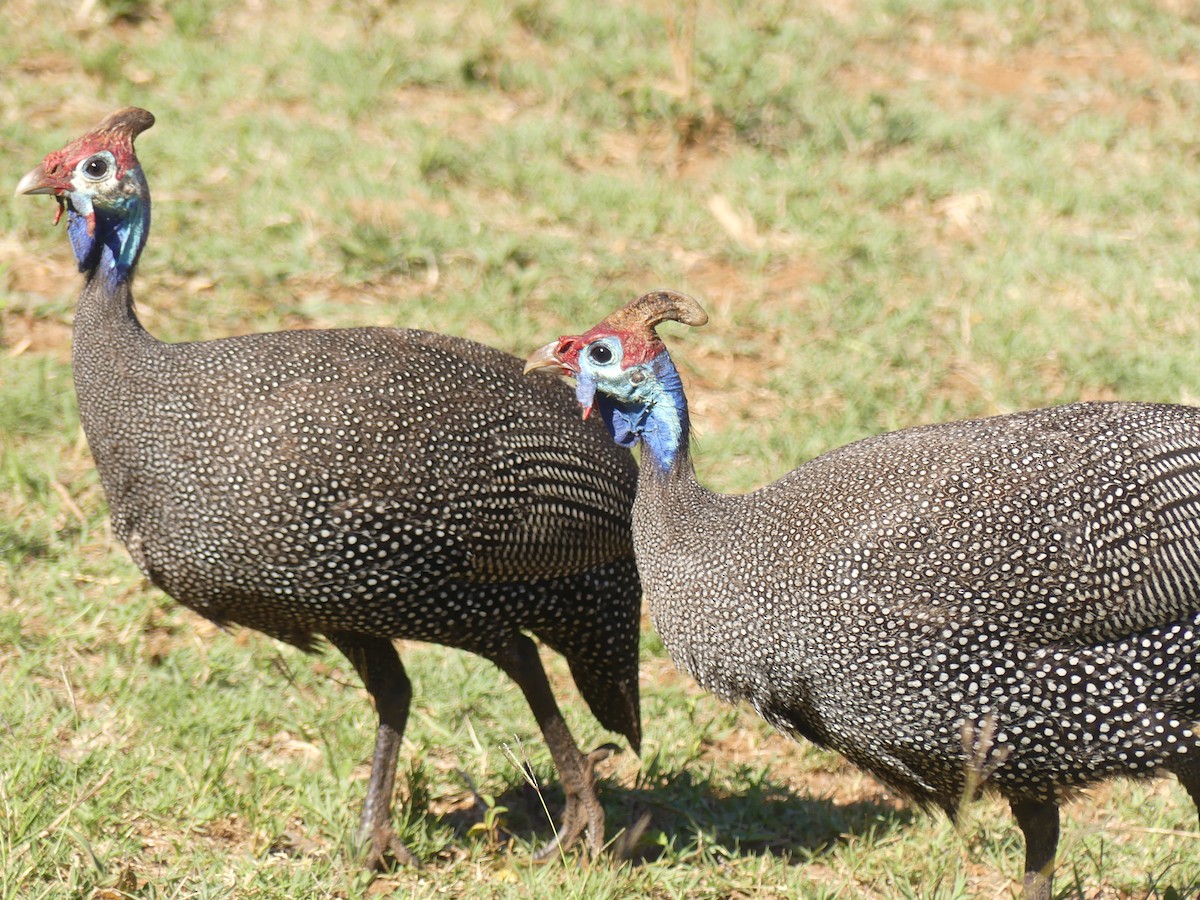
x=895, y=213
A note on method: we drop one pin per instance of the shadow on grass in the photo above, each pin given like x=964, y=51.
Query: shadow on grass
x=686, y=813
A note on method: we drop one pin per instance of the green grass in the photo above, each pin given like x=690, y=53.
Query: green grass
x=895, y=213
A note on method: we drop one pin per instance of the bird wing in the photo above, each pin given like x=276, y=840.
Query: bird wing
x=1077, y=523
x=426, y=451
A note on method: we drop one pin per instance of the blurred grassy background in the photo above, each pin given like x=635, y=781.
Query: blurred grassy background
x=895, y=213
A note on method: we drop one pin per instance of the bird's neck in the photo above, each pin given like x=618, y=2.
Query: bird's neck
x=108, y=238
x=109, y=342
x=657, y=417
x=107, y=246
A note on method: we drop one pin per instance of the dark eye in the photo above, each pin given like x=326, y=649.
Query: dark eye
x=600, y=354
x=96, y=167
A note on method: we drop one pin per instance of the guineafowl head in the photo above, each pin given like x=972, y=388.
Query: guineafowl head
x=97, y=179
x=622, y=368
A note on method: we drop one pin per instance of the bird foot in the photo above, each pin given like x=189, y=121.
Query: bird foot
x=384, y=851
x=600, y=754
x=583, y=810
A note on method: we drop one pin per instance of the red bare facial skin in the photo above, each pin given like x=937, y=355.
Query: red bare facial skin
x=115, y=134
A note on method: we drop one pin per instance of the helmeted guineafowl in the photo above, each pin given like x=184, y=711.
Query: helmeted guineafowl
x=1012, y=601
x=359, y=484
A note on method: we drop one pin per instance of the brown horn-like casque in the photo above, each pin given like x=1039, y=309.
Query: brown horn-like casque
x=656, y=307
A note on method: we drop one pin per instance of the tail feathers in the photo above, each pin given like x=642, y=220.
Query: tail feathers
x=614, y=701
x=598, y=634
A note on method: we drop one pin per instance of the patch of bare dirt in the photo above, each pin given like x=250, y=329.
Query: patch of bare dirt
x=230, y=831
x=31, y=272
x=693, y=150
x=1049, y=84
x=22, y=332
x=1060, y=75
x=284, y=751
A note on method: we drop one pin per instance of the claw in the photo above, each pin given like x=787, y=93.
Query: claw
x=601, y=753
x=385, y=851
x=583, y=811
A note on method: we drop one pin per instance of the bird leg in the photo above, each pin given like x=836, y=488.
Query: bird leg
x=1191, y=783
x=576, y=771
x=378, y=665
x=1038, y=820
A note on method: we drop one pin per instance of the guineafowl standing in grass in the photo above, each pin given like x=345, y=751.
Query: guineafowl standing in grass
x=360, y=484
x=1012, y=602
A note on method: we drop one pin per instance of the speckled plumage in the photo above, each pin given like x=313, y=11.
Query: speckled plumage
x=358, y=484
x=1014, y=599
x=1034, y=569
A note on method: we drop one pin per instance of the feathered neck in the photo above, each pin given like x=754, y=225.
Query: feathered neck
x=656, y=415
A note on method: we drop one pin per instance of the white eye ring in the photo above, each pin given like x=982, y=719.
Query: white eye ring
x=96, y=168
x=601, y=354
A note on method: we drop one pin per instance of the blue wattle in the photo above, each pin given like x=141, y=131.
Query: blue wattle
x=653, y=411
x=625, y=425
x=118, y=238
x=585, y=391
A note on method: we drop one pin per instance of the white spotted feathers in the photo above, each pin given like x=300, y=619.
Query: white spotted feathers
x=1039, y=571
x=360, y=484
x=1010, y=602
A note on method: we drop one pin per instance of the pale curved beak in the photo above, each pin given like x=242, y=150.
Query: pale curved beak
x=36, y=182
x=544, y=358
